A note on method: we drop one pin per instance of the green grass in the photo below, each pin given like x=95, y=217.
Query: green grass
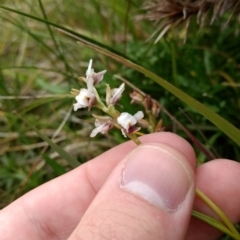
x=39, y=65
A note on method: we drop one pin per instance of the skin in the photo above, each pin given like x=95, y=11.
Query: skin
x=87, y=203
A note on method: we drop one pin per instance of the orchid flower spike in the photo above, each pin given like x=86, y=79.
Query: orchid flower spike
x=127, y=122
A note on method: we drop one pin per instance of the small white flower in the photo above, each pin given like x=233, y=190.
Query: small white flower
x=90, y=70
x=84, y=99
x=93, y=77
x=102, y=126
x=115, y=94
x=127, y=122
x=87, y=97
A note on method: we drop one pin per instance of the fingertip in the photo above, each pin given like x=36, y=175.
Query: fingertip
x=218, y=180
x=173, y=140
x=221, y=177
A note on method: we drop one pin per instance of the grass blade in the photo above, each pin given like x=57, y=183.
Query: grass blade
x=213, y=222
x=60, y=27
x=73, y=162
x=57, y=168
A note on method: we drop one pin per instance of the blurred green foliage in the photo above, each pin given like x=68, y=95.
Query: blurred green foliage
x=39, y=66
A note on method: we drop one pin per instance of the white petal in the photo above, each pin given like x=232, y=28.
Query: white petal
x=97, y=77
x=126, y=120
x=95, y=131
x=97, y=123
x=101, y=127
x=90, y=84
x=89, y=70
x=139, y=115
x=83, y=98
x=76, y=106
x=123, y=133
x=117, y=93
x=83, y=93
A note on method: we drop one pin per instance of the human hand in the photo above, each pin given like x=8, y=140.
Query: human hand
x=129, y=192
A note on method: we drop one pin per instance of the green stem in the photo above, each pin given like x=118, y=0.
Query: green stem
x=134, y=138
x=218, y=211
x=216, y=224
x=152, y=121
x=174, y=64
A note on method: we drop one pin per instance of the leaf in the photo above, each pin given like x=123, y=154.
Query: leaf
x=48, y=86
x=57, y=168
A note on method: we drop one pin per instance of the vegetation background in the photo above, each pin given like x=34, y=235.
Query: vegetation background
x=39, y=65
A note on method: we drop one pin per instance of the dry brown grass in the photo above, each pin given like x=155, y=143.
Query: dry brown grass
x=168, y=13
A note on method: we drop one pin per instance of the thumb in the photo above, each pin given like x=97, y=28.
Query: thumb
x=149, y=195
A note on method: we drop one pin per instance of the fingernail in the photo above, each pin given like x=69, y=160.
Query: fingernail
x=158, y=174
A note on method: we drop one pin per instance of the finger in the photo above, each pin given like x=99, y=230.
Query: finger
x=219, y=180
x=54, y=209
x=149, y=195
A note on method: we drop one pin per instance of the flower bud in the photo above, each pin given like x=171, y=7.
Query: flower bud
x=136, y=97
x=113, y=95
x=147, y=103
x=155, y=108
x=102, y=126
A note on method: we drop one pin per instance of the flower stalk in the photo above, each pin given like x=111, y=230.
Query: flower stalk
x=89, y=97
